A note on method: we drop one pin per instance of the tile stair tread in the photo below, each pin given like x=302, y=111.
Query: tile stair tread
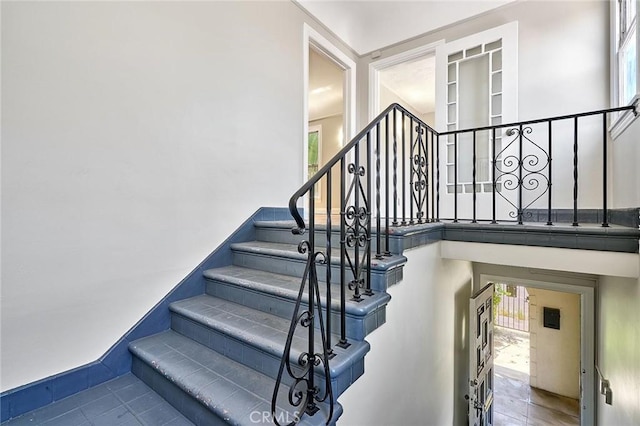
x=291, y=251
x=288, y=286
x=262, y=330
x=226, y=387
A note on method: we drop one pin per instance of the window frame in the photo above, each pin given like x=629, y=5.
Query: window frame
x=620, y=38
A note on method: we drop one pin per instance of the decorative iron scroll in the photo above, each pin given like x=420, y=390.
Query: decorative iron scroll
x=419, y=165
x=357, y=239
x=522, y=172
x=304, y=393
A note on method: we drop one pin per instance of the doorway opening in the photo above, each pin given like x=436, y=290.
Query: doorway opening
x=407, y=79
x=326, y=121
x=329, y=106
x=537, y=338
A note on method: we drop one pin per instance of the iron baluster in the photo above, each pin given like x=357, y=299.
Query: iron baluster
x=328, y=267
x=575, y=171
x=395, y=170
x=411, y=186
x=386, y=187
x=419, y=172
x=433, y=182
x=520, y=163
x=343, y=281
x=473, y=173
x=367, y=289
x=494, y=175
x=455, y=177
x=356, y=223
x=426, y=174
x=549, y=222
x=378, y=224
x=605, y=219
x=404, y=172
x=312, y=408
x=438, y=179
x=417, y=161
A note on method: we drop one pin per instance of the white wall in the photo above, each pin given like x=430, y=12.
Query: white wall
x=619, y=349
x=563, y=68
x=555, y=354
x=134, y=139
x=623, y=166
x=387, y=97
x=413, y=372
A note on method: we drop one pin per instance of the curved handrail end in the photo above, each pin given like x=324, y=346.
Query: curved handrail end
x=293, y=209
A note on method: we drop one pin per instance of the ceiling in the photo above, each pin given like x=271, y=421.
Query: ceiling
x=367, y=26
x=414, y=82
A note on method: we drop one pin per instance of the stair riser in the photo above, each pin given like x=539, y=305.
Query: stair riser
x=357, y=327
x=285, y=236
x=380, y=280
x=253, y=357
x=182, y=401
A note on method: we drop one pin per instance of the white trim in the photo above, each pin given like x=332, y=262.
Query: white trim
x=620, y=121
x=587, y=333
x=313, y=38
x=623, y=120
x=379, y=65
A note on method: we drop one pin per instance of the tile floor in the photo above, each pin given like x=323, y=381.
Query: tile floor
x=516, y=403
x=124, y=401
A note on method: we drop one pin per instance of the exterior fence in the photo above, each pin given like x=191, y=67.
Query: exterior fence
x=512, y=307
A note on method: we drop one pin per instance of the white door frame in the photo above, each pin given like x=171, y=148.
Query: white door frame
x=586, y=289
x=312, y=38
x=380, y=65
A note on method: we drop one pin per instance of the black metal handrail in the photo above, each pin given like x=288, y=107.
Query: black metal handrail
x=399, y=183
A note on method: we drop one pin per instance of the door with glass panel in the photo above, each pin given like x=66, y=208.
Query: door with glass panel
x=481, y=353
x=476, y=86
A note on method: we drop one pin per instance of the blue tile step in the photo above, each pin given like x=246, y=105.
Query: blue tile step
x=257, y=338
x=209, y=388
x=277, y=294
x=280, y=232
x=286, y=260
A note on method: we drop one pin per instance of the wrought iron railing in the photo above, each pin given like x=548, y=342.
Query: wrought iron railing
x=390, y=175
x=521, y=169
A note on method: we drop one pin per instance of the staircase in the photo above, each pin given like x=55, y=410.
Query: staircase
x=240, y=340
x=219, y=362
